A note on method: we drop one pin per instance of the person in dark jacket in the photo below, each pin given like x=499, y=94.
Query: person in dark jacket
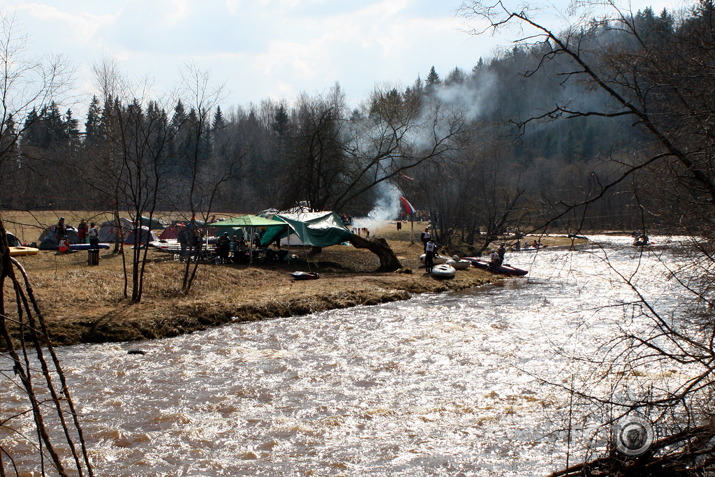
x=500, y=253
x=223, y=246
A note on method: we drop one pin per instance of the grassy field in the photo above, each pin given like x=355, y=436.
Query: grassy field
x=83, y=303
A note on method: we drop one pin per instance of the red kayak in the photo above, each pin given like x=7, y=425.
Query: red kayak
x=504, y=269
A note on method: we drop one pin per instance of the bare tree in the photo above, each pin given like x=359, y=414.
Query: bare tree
x=137, y=133
x=205, y=173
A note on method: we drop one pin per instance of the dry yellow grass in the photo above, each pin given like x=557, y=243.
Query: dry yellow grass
x=83, y=303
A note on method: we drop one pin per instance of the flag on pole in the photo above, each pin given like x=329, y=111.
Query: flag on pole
x=406, y=204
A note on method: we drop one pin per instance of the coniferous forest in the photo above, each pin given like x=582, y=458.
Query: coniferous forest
x=526, y=138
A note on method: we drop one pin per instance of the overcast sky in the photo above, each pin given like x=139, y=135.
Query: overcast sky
x=259, y=48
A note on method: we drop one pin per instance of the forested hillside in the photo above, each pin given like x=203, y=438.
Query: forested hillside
x=483, y=149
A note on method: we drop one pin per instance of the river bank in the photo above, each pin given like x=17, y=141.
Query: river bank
x=86, y=304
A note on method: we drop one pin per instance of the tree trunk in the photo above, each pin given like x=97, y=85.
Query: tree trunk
x=388, y=260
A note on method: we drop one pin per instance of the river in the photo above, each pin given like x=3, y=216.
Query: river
x=473, y=383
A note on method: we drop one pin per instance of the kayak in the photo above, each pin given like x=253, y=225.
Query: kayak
x=20, y=251
x=305, y=275
x=443, y=271
x=86, y=246
x=504, y=269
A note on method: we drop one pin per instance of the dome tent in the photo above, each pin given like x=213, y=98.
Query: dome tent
x=109, y=231
x=49, y=240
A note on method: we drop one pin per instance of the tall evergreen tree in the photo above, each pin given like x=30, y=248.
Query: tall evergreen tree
x=432, y=78
x=93, y=124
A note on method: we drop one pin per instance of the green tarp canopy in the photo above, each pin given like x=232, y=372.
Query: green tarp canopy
x=317, y=229
x=236, y=225
x=249, y=221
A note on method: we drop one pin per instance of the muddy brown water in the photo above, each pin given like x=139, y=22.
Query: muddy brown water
x=471, y=383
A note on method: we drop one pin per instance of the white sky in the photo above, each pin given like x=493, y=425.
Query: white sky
x=258, y=48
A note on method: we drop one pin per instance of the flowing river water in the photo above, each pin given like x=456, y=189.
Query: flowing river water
x=473, y=383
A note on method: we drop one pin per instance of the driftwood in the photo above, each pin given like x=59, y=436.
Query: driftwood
x=57, y=412
x=388, y=260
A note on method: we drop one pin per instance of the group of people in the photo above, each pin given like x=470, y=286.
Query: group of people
x=496, y=259
x=85, y=233
x=231, y=249
x=237, y=250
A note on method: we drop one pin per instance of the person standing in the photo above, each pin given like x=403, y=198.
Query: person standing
x=60, y=229
x=430, y=250
x=223, y=246
x=183, y=238
x=93, y=234
x=82, y=231
x=426, y=236
x=500, y=253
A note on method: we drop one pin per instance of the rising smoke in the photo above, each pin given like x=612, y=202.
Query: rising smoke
x=387, y=207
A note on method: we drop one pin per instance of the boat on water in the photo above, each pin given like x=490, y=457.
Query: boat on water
x=579, y=237
x=305, y=275
x=22, y=250
x=640, y=239
x=443, y=271
x=504, y=269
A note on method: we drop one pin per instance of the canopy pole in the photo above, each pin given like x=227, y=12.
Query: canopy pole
x=412, y=228
x=250, y=246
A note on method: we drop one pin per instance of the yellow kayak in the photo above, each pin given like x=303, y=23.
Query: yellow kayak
x=18, y=251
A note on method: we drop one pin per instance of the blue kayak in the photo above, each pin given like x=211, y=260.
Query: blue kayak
x=86, y=246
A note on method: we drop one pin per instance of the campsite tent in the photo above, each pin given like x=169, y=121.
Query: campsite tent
x=49, y=241
x=152, y=223
x=169, y=233
x=12, y=241
x=110, y=232
x=145, y=235
x=317, y=229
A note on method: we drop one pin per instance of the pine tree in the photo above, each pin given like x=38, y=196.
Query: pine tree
x=433, y=78
x=219, y=122
x=93, y=124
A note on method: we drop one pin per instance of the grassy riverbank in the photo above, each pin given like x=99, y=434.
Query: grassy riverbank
x=84, y=303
